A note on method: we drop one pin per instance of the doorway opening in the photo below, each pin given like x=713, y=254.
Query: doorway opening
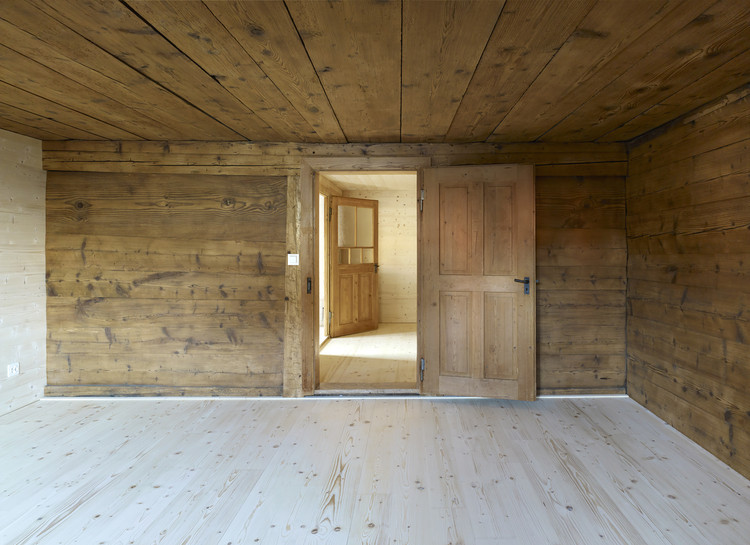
x=366, y=236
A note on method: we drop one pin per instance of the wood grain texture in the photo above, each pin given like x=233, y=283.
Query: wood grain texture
x=266, y=31
x=462, y=283
x=611, y=37
x=374, y=471
x=22, y=317
x=397, y=251
x=712, y=38
x=580, y=235
x=366, y=70
x=110, y=26
x=355, y=48
x=282, y=159
x=581, y=266
x=34, y=32
x=165, y=281
x=194, y=30
x=688, y=334
x=527, y=36
x=438, y=61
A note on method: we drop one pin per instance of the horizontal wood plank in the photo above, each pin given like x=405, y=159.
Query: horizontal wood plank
x=688, y=332
x=167, y=281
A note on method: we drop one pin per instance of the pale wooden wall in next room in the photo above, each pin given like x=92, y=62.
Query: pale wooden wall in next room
x=22, y=323
x=165, y=283
x=688, y=279
x=141, y=217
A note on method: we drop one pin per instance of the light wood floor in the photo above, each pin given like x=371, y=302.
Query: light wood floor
x=353, y=471
x=384, y=359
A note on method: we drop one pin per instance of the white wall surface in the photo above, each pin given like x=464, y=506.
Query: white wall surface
x=22, y=270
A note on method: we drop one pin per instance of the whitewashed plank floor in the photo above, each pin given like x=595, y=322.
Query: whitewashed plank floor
x=360, y=471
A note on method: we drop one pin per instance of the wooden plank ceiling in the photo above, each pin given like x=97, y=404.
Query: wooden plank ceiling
x=365, y=71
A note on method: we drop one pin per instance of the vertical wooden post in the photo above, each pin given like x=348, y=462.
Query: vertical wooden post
x=293, y=328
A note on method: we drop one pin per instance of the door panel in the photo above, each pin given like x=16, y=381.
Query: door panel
x=455, y=230
x=346, y=293
x=499, y=357
x=479, y=326
x=455, y=313
x=354, y=255
x=499, y=253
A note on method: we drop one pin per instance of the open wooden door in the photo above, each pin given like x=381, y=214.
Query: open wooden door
x=478, y=280
x=354, y=264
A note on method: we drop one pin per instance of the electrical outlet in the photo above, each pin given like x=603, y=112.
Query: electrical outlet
x=13, y=369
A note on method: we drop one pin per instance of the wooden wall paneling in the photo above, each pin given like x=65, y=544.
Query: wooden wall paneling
x=721, y=434
x=277, y=159
x=705, y=43
x=712, y=165
x=362, y=41
x=170, y=282
x=580, y=242
x=111, y=26
x=687, y=300
x=36, y=35
x=525, y=38
x=581, y=267
x=713, y=127
x=194, y=30
x=266, y=31
x=432, y=36
x=22, y=183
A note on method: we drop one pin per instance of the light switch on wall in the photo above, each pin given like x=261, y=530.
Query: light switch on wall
x=292, y=259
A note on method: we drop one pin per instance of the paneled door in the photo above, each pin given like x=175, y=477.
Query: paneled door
x=354, y=264
x=478, y=280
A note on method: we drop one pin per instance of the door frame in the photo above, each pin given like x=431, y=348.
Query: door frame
x=301, y=348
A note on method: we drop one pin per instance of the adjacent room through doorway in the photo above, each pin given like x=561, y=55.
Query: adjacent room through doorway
x=367, y=296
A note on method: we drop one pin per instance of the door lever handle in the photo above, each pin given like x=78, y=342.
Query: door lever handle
x=525, y=283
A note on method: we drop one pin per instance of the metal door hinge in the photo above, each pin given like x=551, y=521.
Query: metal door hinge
x=330, y=213
x=421, y=369
x=330, y=318
x=421, y=200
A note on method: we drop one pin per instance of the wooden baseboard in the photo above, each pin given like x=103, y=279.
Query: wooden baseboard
x=98, y=390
